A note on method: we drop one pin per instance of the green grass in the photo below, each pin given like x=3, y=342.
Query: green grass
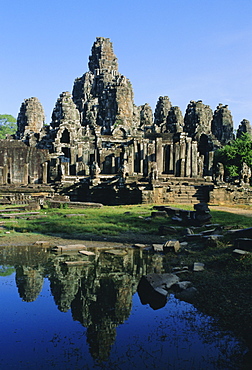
x=110, y=221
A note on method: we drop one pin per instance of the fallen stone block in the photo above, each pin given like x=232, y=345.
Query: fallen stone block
x=244, y=243
x=164, y=230
x=159, y=214
x=171, y=246
x=140, y=246
x=240, y=252
x=182, y=285
x=86, y=253
x=198, y=266
x=242, y=233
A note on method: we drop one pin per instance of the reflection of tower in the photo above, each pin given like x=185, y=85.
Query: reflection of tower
x=29, y=282
x=104, y=301
x=64, y=284
x=100, y=292
x=112, y=308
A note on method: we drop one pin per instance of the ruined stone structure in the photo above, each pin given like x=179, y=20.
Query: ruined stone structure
x=99, y=141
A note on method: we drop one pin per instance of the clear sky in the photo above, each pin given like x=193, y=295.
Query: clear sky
x=185, y=49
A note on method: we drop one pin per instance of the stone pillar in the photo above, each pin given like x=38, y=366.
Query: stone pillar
x=141, y=157
x=131, y=159
x=188, y=164
x=182, y=154
x=26, y=173
x=1, y=175
x=210, y=163
x=113, y=164
x=145, y=159
x=5, y=174
x=171, y=159
x=44, y=172
x=194, y=159
x=136, y=157
x=177, y=159
x=159, y=154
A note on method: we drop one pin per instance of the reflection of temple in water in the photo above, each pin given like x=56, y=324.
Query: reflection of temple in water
x=98, y=291
x=29, y=282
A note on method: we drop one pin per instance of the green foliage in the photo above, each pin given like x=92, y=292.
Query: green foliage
x=8, y=125
x=235, y=153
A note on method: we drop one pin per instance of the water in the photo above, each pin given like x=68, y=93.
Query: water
x=54, y=316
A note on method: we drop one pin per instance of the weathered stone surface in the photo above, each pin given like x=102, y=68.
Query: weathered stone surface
x=240, y=252
x=242, y=233
x=198, y=119
x=222, y=124
x=103, y=96
x=182, y=285
x=146, y=116
x=159, y=214
x=161, y=111
x=31, y=118
x=244, y=243
x=171, y=246
x=65, y=111
x=244, y=127
x=198, y=266
x=86, y=253
x=174, y=121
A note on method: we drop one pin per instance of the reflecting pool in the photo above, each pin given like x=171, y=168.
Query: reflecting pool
x=71, y=311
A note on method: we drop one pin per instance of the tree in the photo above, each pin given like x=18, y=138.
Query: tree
x=235, y=154
x=8, y=125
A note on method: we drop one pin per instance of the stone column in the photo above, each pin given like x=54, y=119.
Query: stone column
x=177, y=159
x=145, y=159
x=113, y=164
x=44, y=172
x=188, y=165
x=26, y=173
x=171, y=159
x=210, y=163
x=141, y=158
x=182, y=154
x=1, y=175
x=136, y=157
x=194, y=159
x=159, y=154
x=5, y=174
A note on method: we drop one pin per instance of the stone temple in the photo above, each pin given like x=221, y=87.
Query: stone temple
x=100, y=146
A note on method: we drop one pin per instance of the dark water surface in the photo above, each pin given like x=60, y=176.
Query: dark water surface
x=59, y=316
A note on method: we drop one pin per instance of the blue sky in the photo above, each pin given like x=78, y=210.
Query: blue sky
x=185, y=49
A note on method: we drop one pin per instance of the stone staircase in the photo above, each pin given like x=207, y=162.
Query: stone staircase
x=190, y=194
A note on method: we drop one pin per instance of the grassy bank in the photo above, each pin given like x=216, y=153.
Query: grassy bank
x=119, y=221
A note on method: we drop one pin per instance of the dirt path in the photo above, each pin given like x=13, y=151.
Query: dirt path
x=238, y=211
